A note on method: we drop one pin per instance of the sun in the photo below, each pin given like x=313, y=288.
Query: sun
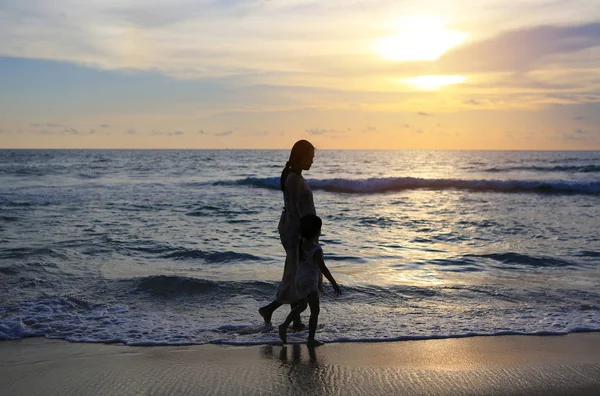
x=418, y=39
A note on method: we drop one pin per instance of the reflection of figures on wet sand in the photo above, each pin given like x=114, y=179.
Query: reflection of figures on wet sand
x=303, y=370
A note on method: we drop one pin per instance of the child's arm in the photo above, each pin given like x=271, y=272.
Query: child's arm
x=325, y=271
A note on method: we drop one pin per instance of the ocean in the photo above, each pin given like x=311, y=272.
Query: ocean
x=169, y=247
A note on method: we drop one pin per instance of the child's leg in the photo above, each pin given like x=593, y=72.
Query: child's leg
x=297, y=322
x=298, y=309
x=313, y=302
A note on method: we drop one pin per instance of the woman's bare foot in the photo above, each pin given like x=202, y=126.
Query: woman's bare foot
x=313, y=343
x=266, y=316
x=283, y=333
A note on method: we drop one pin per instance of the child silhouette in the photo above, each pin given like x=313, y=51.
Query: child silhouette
x=310, y=266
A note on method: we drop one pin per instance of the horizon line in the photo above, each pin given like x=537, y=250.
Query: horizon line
x=286, y=148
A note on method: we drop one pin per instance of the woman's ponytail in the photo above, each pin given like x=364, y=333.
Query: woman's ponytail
x=284, y=175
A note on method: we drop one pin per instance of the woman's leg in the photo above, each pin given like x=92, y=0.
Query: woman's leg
x=299, y=308
x=287, y=288
x=313, y=302
x=267, y=311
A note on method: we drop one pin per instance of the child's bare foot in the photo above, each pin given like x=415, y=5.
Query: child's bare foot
x=263, y=312
x=313, y=343
x=283, y=333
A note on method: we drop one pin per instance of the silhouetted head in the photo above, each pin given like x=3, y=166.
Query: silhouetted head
x=310, y=226
x=301, y=158
x=302, y=155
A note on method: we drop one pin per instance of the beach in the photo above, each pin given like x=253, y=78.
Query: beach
x=142, y=272
x=495, y=365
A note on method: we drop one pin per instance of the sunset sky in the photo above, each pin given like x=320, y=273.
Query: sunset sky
x=353, y=74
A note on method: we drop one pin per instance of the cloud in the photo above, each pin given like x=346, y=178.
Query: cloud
x=572, y=98
x=535, y=100
x=201, y=132
x=153, y=15
x=259, y=133
x=320, y=131
x=130, y=131
x=170, y=133
x=44, y=125
x=43, y=132
x=579, y=118
x=163, y=14
x=473, y=102
x=162, y=35
x=521, y=49
x=225, y=133
x=51, y=129
x=422, y=113
x=104, y=126
x=368, y=129
x=576, y=80
x=577, y=134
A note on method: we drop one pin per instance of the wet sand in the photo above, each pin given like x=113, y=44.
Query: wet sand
x=498, y=365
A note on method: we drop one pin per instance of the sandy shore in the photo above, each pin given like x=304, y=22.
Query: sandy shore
x=506, y=365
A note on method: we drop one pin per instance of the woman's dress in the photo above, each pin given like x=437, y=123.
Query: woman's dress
x=295, y=207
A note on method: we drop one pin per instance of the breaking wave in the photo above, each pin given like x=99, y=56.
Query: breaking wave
x=388, y=184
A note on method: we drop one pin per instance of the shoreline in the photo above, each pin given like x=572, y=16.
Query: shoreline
x=478, y=365
x=292, y=340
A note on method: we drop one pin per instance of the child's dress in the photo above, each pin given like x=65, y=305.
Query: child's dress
x=307, y=273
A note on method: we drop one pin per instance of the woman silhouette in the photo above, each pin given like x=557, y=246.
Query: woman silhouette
x=298, y=201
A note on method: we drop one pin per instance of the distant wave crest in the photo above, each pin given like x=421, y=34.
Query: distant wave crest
x=386, y=184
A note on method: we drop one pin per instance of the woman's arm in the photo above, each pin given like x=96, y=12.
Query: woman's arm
x=325, y=271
